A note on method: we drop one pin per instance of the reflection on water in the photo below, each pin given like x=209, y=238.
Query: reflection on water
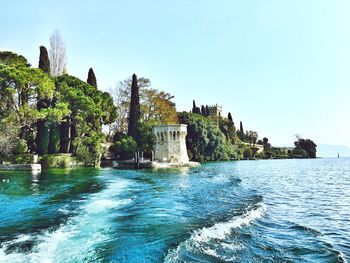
x=253, y=211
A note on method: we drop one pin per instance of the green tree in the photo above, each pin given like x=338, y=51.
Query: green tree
x=135, y=112
x=307, y=145
x=44, y=62
x=92, y=78
x=42, y=138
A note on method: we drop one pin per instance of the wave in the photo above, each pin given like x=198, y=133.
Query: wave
x=213, y=241
x=75, y=240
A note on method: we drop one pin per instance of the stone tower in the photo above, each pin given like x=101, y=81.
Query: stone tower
x=170, y=145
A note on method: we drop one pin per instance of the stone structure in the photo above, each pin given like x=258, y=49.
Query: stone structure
x=215, y=110
x=170, y=144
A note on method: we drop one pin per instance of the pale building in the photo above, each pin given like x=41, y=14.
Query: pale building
x=170, y=144
x=215, y=110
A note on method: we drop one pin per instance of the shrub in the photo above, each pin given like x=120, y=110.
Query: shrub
x=247, y=153
x=89, y=149
x=124, y=149
x=63, y=160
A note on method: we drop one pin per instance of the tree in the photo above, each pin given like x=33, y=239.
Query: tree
x=307, y=145
x=20, y=88
x=12, y=59
x=89, y=109
x=135, y=112
x=240, y=133
x=58, y=59
x=229, y=117
x=122, y=95
x=44, y=62
x=252, y=137
x=92, y=78
x=42, y=138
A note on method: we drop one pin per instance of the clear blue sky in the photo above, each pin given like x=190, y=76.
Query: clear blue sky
x=282, y=67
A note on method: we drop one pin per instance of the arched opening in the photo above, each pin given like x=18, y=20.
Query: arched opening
x=174, y=136
x=162, y=136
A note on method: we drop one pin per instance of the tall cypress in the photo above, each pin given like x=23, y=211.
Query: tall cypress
x=44, y=62
x=229, y=117
x=135, y=112
x=92, y=78
x=194, y=108
x=241, y=127
x=203, y=110
x=207, y=111
x=42, y=136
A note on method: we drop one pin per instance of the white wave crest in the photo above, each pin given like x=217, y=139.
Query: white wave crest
x=202, y=240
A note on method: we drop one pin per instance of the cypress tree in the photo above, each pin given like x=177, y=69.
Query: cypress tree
x=135, y=113
x=92, y=78
x=203, y=110
x=207, y=110
x=241, y=127
x=42, y=136
x=229, y=117
x=194, y=108
x=44, y=62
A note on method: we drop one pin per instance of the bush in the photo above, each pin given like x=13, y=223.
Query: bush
x=124, y=149
x=297, y=153
x=63, y=160
x=247, y=153
x=89, y=149
x=20, y=147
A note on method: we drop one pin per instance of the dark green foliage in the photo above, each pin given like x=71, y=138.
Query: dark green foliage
x=54, y=139
x=240, y=133
x=92, y=78
x=307, y=145
x=13, y=59
x=135, y=112
x=247, y=153
x=125, y=148
x=195, y=109
x=42, y=137
x=44, y=62
x=203, y=112
x=204, y=140
x=229, y=117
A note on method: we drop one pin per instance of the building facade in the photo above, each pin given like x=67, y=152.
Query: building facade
x=170, y=144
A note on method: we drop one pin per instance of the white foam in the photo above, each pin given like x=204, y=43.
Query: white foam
x=200, y=240
x=76, y=239
x=222, y=229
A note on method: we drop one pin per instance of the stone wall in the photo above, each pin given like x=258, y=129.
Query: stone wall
x=170, y=145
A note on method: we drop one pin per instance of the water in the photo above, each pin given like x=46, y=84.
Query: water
x=247, y=211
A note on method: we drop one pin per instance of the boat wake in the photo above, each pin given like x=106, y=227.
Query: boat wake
x=214, y=241
x=78, y=239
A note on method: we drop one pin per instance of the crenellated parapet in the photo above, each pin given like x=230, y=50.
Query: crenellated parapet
x=170, y=143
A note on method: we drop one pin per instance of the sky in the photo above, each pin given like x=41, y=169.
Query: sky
x=280, y=67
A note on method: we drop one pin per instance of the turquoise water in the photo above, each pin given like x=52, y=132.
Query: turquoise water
x=246, y=211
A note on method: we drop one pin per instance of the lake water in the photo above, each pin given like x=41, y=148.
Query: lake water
x=245, y=211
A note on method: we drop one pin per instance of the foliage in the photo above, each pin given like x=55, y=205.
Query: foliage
x=204, y=140
x=307, y=145
x=247, y=153
x=89, y=149
x=57, y=160
x=91, y=78
x=13, y=59
x=44, y=62
x=135, y=111
x=125, y=148
x=8, y=138
x=89, y=108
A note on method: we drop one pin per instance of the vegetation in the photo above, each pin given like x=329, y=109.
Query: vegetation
x=45, y=111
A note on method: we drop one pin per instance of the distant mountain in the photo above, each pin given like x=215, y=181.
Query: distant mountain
x=327, y=150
